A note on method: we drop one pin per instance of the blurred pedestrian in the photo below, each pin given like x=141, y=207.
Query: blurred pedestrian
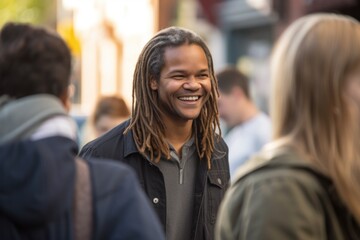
x=248, y=128
x=305, y=184
x=38, y=166
x=109, y=112
x=170, y=140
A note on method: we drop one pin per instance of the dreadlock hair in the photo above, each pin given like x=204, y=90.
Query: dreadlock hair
x=146, y=124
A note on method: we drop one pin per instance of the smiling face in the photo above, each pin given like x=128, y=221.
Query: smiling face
x=184, y=85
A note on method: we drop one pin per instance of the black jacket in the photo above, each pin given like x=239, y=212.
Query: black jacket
x=210, y=184
x=36, y=194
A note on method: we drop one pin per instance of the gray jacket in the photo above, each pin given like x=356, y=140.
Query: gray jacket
x=278, y=195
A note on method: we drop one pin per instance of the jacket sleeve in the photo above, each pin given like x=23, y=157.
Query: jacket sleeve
x=280, y=207
x=122, y=209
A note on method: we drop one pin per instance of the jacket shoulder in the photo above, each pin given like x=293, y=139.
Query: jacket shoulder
x=282, y=172
x=112, y=134
x=107, y=144
x=267, y=194
x=221, y=150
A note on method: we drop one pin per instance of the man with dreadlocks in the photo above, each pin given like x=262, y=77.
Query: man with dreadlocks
x=170, y=139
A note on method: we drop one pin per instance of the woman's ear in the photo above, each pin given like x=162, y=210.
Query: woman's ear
x=153, y=84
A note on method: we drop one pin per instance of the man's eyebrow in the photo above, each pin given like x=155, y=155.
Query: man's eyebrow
x=177, y=71
x=180, y=71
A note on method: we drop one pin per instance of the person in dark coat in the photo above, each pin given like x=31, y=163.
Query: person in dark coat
x=305, y=184
x=38, y=150
x=171, y=140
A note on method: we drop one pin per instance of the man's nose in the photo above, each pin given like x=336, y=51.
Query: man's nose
x=192, y=83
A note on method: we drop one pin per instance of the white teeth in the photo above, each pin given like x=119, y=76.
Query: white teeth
x=192, y=98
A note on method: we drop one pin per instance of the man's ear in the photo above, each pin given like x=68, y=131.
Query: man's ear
x=153, y=84
x=65, y=97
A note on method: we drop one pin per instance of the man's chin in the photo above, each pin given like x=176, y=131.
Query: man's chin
x=189, y=117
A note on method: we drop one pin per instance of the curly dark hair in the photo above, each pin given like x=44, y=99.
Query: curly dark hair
x=32, y=61
x=146, y=124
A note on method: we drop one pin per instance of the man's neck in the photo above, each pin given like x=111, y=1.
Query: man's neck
x=250, y=112
x=177, y=134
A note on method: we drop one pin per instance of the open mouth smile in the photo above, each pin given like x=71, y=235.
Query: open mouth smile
x=189, y=98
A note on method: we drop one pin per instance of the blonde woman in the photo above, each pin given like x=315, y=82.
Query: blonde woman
x=305, y=184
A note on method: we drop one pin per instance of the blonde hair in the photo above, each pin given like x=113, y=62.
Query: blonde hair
x=309, y=107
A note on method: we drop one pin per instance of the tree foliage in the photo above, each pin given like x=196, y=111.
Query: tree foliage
x=31, y=11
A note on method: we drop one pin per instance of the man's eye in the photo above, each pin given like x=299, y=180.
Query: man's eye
x=178, y=77
x=202, y=76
